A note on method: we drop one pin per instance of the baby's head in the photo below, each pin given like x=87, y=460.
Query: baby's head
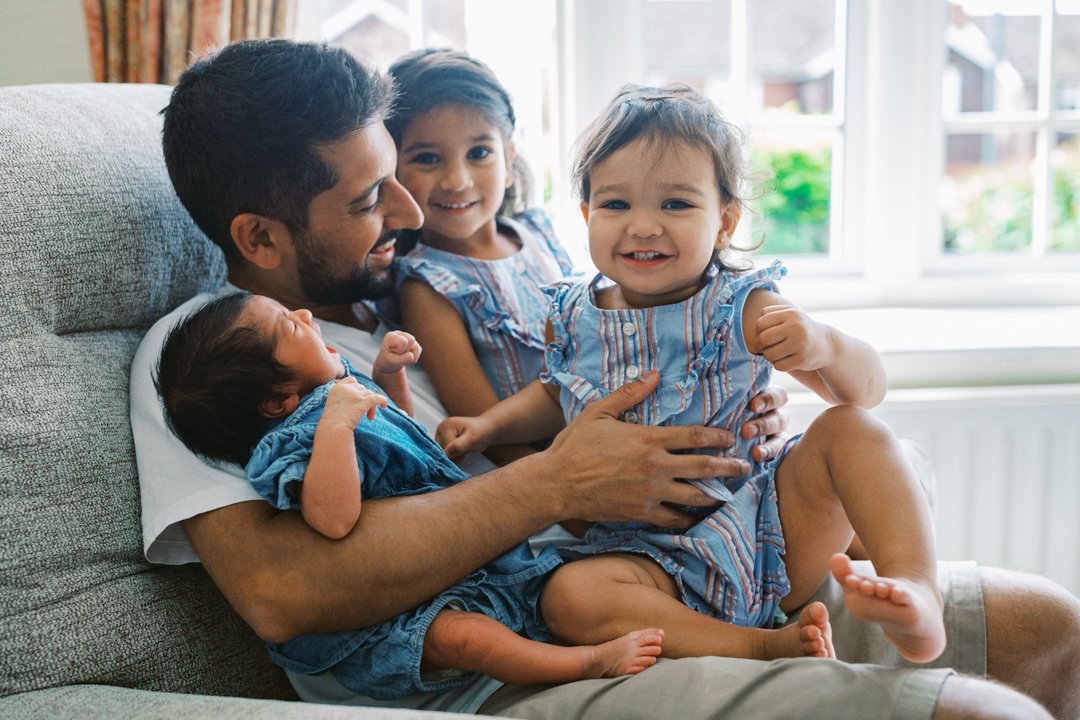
x=660, y=175
x=449, y=82
x=232, y=365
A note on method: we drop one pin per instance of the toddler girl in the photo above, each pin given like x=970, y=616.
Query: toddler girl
x=245, y=380
x=660, y=176
x=471, y=286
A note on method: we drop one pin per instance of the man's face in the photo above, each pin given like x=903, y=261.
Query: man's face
x=344, y=254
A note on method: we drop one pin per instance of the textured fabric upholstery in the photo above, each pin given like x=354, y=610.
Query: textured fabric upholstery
x=94, y=246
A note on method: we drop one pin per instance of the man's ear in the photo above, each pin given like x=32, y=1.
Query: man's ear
x=259, y=239
x=585, y=211
x=278, y=405
x=729, y=220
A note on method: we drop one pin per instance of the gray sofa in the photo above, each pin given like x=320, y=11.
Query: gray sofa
x=94, y=246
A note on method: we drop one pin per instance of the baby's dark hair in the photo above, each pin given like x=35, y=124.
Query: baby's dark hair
x=212, y=374
x=428, y=78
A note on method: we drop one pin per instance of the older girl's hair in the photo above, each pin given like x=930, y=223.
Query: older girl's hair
x=428, y=78
x=668, y=114
x=212, y=374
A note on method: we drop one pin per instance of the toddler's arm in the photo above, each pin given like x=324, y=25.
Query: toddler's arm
x=398, y=351
x=842, y=369
x=526, y=416
x=330, y=493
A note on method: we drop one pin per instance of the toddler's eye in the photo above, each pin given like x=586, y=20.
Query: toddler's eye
x=479, y=153
x=615, y=205
x=676, y=205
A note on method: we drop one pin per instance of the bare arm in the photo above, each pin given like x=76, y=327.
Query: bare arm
x=285, y=579
x=398, y=351
x=330, y=494
x=526, y=416
x=842, y=369
x=451, y=361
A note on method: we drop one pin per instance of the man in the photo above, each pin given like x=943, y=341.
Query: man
x=278, y=151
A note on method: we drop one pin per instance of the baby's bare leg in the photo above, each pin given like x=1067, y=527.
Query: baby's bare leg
x=471, y=641
x=849, y=473
x=604, y=596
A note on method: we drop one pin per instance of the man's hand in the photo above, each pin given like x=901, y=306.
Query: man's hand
x=399, y=350
x=348, y=403
x=770, y=423
x=609, y=470
x=459, y=435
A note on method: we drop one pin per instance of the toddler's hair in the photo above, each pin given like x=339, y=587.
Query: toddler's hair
x=664, y=115
x=428, y=78
x=212, y=374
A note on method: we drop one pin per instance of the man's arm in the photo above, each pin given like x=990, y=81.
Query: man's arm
x=285, y=579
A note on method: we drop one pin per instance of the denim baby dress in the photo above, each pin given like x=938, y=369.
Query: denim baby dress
x=729, y=565
x=396, y=457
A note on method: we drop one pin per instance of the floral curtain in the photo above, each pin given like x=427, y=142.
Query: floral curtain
x=152, y=41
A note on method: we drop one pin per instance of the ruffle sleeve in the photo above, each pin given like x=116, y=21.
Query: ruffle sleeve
x=478, y=299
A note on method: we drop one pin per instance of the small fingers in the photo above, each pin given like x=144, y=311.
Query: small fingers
x=772, y=398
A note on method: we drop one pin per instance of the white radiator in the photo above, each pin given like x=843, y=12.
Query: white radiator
x=1007, y=461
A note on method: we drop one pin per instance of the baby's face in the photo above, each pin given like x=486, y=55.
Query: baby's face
x=297, y=341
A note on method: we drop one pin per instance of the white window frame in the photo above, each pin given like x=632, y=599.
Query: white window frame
x=886, y=227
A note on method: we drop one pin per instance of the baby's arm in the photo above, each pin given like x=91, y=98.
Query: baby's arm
x=398, y=351
x=330, y=493
x=529, y=415
x=451, y=361
x=842, y=369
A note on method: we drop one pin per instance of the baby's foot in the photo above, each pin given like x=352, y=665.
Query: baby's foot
x=811, y=636
x=626, y=655
x=908, y=611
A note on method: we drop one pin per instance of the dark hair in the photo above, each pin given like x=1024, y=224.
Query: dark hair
x=665, y=115
x=242, y=126
x=211, y=377
x=428, y=78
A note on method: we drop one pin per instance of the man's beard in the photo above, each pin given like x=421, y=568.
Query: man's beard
x=322, y=281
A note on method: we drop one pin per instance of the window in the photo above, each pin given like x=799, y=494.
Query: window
x=923, y=153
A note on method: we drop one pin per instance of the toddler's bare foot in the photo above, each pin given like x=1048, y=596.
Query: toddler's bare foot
x=626, y=655
x=811, y=636
x=908, y=611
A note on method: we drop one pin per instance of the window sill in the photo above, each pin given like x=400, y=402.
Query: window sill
x=966, y=347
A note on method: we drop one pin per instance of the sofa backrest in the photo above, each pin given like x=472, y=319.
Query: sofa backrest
x=94, y=246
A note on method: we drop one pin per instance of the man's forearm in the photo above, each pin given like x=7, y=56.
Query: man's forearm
x=286, y=580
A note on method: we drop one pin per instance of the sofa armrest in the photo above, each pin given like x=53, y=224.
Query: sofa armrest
x=82, y=701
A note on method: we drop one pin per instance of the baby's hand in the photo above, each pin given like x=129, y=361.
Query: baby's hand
x=791, y=340
x=349, y=402
x=459, y=435
x=399, y=349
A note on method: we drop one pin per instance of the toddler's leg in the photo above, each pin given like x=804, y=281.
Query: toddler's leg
x=474, y=642
x=847, y=473
x=600, y=597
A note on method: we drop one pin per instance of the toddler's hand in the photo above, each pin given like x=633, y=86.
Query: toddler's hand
x=399, y=349
x=459, y=435
x=791, y=340
x=349, y=402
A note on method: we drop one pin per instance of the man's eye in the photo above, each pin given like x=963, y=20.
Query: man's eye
x=676, y=205
x=479, y=153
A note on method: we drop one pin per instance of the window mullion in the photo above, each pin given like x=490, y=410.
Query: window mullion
x=1042, y=192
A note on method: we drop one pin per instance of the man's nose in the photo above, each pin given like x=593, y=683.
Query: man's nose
x=402, y=211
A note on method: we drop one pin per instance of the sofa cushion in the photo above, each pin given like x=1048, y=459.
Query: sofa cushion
x=94, y=246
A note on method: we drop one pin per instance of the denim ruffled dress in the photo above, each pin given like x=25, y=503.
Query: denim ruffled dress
x=396, y=457
x=729, y=565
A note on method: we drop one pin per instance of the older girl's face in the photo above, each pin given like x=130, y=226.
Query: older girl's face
x=456, y=164
x=655, y=218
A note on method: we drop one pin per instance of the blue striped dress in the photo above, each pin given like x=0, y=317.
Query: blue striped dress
x=730, y=565
x=500, y=301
